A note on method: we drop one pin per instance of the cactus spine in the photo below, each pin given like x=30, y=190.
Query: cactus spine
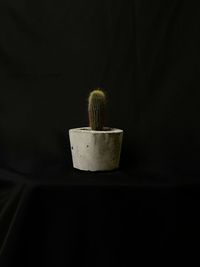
x=96, y=109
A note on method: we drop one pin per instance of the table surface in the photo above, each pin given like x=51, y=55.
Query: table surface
x=100, y=211
x=126, y=177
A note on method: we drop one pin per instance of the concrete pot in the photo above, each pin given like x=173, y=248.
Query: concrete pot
x=95, y=150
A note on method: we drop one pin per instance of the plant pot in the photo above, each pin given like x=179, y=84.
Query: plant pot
x=95, y=150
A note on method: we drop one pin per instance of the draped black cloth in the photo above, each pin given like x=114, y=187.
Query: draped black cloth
x=145, y=54
x=81, y=219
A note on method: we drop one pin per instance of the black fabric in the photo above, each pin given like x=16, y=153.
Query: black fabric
x=145, y=54
x=74, y=218
x=102, y=219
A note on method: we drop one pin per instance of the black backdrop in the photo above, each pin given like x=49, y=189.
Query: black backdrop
x=146, y=55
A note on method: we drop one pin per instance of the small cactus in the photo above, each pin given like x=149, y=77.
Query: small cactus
x=96, y=109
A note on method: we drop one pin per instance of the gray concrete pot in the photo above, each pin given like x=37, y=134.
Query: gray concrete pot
x=95, y=150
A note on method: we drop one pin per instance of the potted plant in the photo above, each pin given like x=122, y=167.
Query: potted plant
x=96, y=148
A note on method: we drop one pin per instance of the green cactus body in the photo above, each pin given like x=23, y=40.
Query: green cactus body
x=96, y=109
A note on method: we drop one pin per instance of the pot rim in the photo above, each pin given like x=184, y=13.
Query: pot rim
x=107, y=130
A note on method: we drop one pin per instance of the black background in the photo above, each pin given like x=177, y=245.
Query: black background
x=144, y=54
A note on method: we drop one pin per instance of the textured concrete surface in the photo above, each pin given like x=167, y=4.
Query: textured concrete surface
x=95, y=150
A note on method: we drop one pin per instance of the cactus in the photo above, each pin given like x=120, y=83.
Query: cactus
x=96, y=109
